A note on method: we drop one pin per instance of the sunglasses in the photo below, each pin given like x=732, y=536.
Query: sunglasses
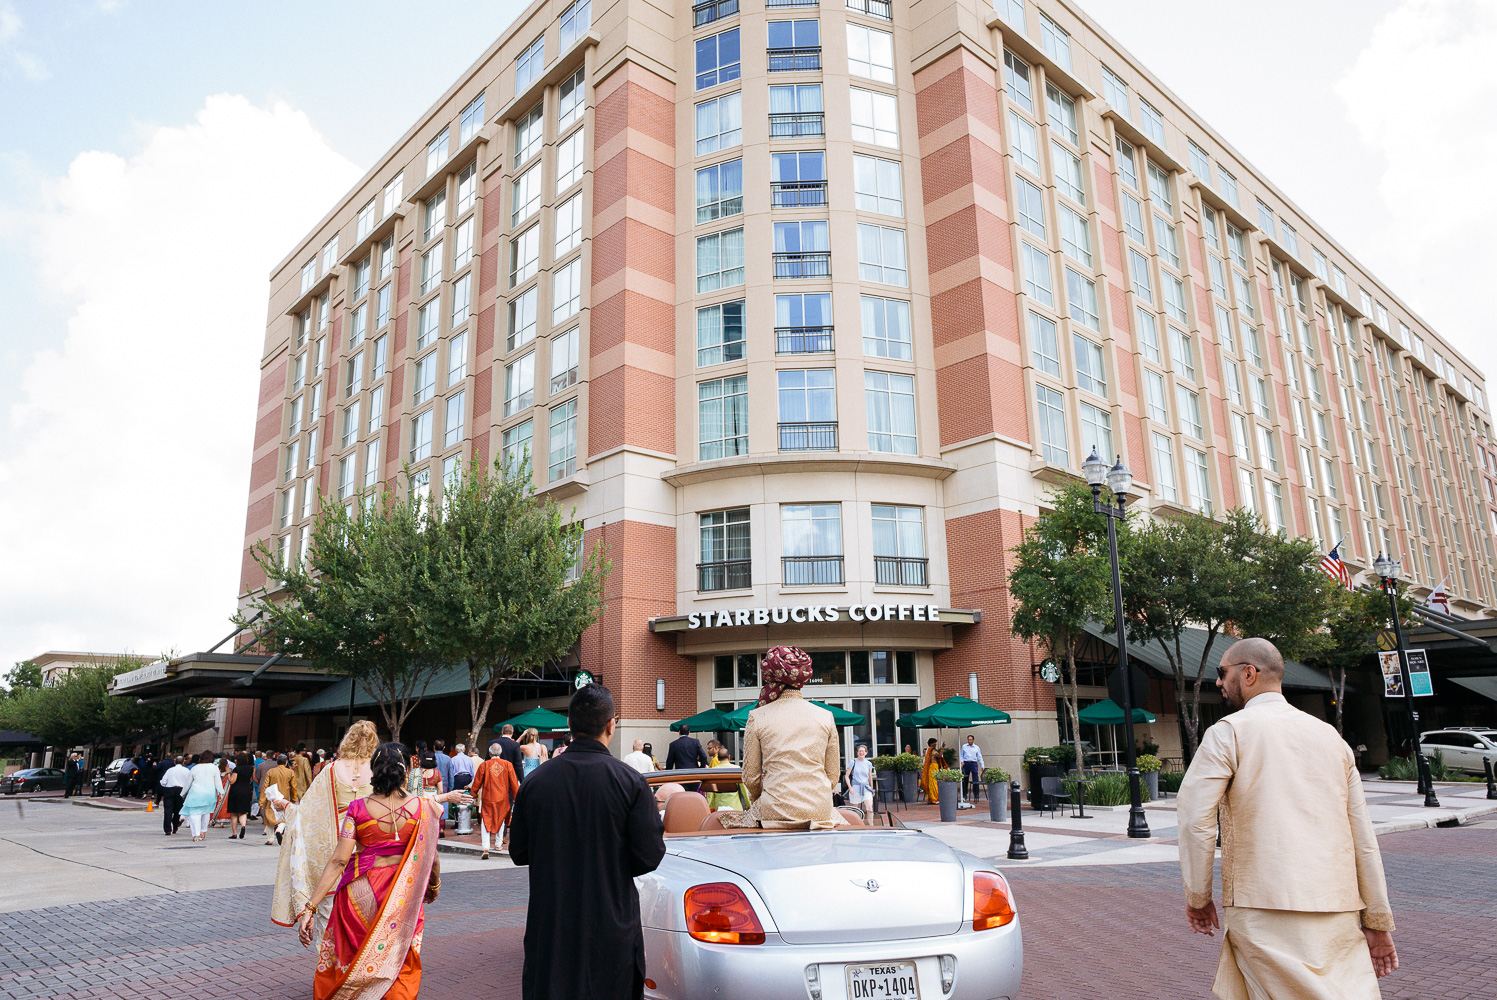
x=1221, y=671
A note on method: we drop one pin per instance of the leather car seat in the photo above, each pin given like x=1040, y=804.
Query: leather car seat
x=684, y=812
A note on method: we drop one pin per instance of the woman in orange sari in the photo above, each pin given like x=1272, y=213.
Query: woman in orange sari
x=372, y=945
x=932, y=763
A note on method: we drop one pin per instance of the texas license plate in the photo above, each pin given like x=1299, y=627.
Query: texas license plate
x=892, y=981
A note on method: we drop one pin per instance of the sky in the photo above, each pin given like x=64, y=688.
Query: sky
x=159, y=157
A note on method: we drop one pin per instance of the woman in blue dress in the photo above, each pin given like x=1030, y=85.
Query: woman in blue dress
x=860, y=780
x=533, y=751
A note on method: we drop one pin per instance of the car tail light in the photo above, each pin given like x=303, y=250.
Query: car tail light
x=719, y=913
x=991, y=906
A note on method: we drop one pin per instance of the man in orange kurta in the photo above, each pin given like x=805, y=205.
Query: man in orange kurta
x=496, y=784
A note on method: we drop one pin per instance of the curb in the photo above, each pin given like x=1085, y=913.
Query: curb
x=1461, y=817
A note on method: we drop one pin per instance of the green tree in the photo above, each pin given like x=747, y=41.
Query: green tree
x=1353, y=623
x=1061, y=582
x=355, y=607
x=24, y=676
x=79, y=710
x=507, y=592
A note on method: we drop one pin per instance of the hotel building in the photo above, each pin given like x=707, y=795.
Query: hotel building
x=805, y=306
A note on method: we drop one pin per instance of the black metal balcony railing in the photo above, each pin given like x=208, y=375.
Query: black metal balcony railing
x=798, y=59
x=899, y=571
x=713, y=10
x=816, y=436
x=797, y=124
x=725, y=574
x=802, y=339
x=873, y=8
x=803, y=265
x=810, y=571
x=792, y=3
x=797, y=194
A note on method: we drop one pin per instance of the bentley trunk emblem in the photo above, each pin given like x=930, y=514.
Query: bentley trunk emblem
x=871, y=885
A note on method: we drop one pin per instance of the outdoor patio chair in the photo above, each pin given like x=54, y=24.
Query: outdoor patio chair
x=1051, y=795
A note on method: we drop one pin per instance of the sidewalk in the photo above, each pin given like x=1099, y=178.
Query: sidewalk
x=111, y=802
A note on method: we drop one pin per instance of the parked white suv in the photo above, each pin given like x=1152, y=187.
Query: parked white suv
x=1462, y=748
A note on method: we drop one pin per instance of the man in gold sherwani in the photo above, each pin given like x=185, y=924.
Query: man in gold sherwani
x=1306, y=905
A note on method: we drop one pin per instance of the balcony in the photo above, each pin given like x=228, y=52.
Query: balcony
x=713, y=10
x=803, y=265
x=725, y=574
x=796, y=60
x=873, y=8
x=818, y=436
x=810, y=571
x=899, y=571
x=802, y=340
x=788, y=126
x=797, y=194
x=792, y=3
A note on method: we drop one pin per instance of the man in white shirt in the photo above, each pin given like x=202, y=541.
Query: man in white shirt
x=639, y=760
x=971, y=765
x=463, y=766
x=173, y=786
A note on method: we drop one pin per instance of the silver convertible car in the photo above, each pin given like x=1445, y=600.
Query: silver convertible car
x=860, y=912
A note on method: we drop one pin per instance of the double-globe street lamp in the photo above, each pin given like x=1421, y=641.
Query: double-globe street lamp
x=1387, y=571
x=1120, y=481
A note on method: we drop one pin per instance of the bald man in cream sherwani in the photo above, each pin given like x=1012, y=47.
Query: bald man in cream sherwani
x=1306, y=906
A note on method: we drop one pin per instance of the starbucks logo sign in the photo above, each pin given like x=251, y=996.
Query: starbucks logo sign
x=582, y=680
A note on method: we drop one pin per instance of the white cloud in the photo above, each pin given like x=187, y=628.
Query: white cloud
x=124, y=465
x=1421, y=95
x=15, y=57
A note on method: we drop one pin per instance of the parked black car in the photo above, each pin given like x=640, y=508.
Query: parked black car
x=33, y=779
x=109, y=782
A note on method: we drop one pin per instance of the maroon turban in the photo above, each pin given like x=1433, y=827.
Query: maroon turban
x=783, y=667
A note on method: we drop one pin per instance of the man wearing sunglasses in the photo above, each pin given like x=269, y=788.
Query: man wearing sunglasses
x=1305, y=902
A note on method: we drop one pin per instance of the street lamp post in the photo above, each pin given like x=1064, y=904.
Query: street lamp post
x=1387, y=570
x=1119, y=480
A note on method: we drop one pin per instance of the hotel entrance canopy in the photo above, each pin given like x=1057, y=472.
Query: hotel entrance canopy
x=219, y=675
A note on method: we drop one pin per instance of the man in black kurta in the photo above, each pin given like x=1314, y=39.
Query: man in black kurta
x=587, y=825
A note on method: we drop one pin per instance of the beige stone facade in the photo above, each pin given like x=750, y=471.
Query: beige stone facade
x=807, y=306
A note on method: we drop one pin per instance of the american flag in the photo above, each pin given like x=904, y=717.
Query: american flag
x=1332, y=566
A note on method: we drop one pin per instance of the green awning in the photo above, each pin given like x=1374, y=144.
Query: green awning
x=955, y=712
x=1484, y=686
x=738, y=718
x=710, y=721
x=1109, y=713
x=1192, y=642
x=334, y=697
x=542, y=720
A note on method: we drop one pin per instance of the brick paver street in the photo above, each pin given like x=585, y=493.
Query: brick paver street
x=1090, y=931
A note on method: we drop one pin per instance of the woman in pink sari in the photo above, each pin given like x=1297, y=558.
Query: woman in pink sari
x=372, y=945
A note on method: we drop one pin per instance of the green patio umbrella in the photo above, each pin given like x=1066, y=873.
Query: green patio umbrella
x=710, y=721
x=738, y=718
x=1109, y=713
x=542, y=720
x=955, y=712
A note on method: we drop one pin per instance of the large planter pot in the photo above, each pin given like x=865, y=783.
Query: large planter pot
x=998, y=801
x=948, y=794
x=1038, y=770
x=888, y=785
x=1151, y=782
x=909, y=784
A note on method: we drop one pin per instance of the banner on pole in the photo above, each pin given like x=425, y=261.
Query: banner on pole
x=1420, y=682
x=1392, y=675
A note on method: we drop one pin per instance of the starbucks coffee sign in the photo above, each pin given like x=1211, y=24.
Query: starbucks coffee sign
x=784, y=614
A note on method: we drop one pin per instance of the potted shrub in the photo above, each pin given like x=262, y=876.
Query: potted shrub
x=907, y=765
x=948, y=792
x=948, y=754
x=883, y=767
x=997, y=779
x=1148, y=769
x=1039, y=763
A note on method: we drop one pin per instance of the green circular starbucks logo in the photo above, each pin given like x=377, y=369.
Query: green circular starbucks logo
x=582, y=680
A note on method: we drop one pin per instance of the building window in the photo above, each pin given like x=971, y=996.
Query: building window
x=794, y=46
x=1247, y=490
x=564, y=360
x=1075, y=236
x=811, y=544
x=361, y=279
x=1031, y=207
x=434, y=217
x=1096, y=429
x=528, y=135
x=470, y=121
x=1091, y=371
x=795, y=111
x=720, y=333
x=424, y=384
x=720, y=121
x=1166, y=239
x=563, y=440
x=891, y=412
x=428, y=323
x=568, y=226
x=527, y=196
x=726, y=550
x=1188, y=404
x=308, y=275
x=365, y=223
x=1138, y=267
x=1068, y=177
x=878, y=185
x=515, y=445
x=1200, y=163
x=575, y=21
x=376, y=409
x=1151, y=120
x=1232, y=380
x=870, y=53
x=571, y=101
x=1011, y=11
x=421, y=436
x=720, y=260
x=1154, y=400
x=452, y=423
x=1182, y=354
x=875, y=118
x=1164, y=467
x=1062, y=114
x=519, y=384
x=1160, y=187
x=899, y=546
x=462, y=251
x=881, y=255
x=1228, y=187
x=436, y=152
x=1133, y=218
x=293, y=420
x=722, y=417
x=807, y=410
x=1268, y=453
x=717, y=59
x=1037, y=283
x=530, y=64
x=886, y=328
x=803, y=323
x=1055, y=41
x=1051, y=409
x=522, y=310
x=797, y=180
x=1044, y=345
x=720, y=191
x=377, y=362
x=1148, y=335
x=1266, y=220
x=431, y=269
x=1016, y=81
x=524, y=255
x=1174, y=297
x=394, y=193
x=801, y=250
x=1115, y=91
x=1081, y=295
x=457, y=359
x=1024, y=143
